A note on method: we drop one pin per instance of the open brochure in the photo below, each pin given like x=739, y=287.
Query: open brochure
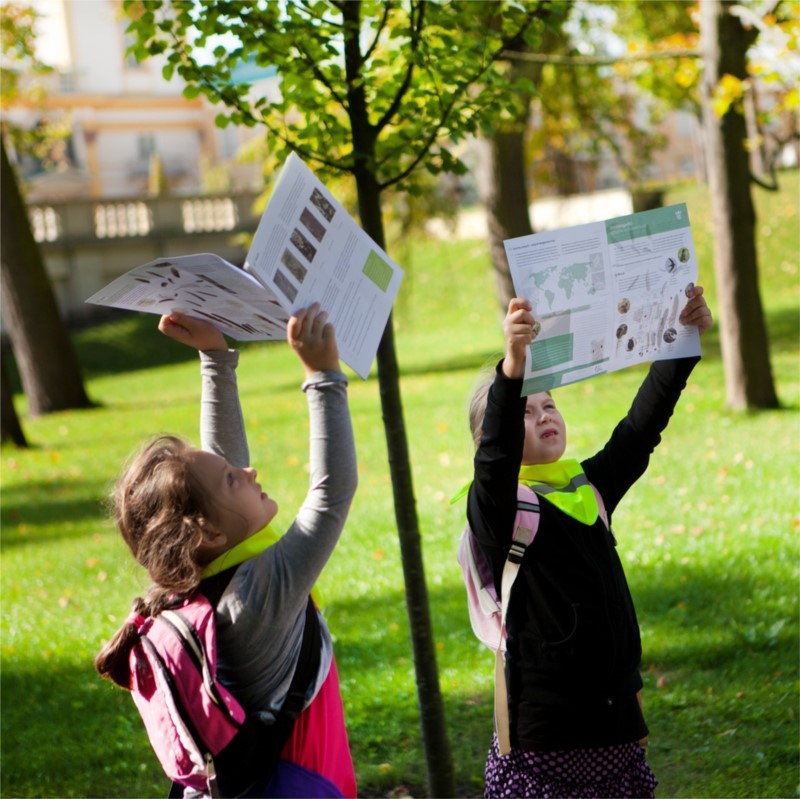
x=605, y=295
x=306, y=249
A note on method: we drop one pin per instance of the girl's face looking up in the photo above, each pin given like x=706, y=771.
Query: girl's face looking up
x=545, y=431
x=239, y=505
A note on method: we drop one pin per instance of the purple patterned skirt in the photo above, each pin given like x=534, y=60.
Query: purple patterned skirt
x=611, y=772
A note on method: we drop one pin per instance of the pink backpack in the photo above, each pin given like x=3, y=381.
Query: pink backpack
x=485, y=606
x=200, y=733
x=189, y=716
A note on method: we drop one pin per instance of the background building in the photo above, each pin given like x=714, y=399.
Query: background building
x=129, y=126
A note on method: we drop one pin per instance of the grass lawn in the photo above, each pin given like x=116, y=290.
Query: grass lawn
x=708, y=538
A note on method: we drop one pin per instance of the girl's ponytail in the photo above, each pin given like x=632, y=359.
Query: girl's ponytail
x=112, y=662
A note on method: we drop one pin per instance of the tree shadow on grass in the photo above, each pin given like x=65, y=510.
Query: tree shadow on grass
x=464, y=362
x=48, y=502
x=119, y=342
x=130, y=341
x=784, y=329
x=65, y=732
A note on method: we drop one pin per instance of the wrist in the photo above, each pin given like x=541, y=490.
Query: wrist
x=512, y=367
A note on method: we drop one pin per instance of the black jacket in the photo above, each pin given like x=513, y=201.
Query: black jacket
x=573, y=649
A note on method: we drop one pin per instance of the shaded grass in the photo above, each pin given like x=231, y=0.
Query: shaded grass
x=708, y=538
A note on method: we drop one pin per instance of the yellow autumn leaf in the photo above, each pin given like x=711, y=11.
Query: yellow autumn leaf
x=728, y=91
x=684, y=78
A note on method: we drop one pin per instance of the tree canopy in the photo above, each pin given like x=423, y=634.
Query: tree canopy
x=418, y=76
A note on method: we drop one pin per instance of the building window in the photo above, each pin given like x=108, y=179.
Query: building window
x=119, y=220
x=44, y=223
x=146, y=145
x=207, y=215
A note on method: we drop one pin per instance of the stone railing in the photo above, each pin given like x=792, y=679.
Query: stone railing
x=88, y=243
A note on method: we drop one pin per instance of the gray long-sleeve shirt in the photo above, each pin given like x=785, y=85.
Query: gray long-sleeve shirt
x=261, y=616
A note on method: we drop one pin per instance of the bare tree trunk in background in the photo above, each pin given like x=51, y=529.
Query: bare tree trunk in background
x=10, y=428
x=504, y=183
x=743, y=334
x=505, y=198
x=48, y=366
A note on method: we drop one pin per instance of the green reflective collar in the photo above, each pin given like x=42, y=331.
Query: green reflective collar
x=244, y=550
x=249, y=548
x=564, y=485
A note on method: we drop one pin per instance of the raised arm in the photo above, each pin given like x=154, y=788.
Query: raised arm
x=332, y=457
x=222, y=428
x=491, y=504
x=278, y=582
x=627, y=453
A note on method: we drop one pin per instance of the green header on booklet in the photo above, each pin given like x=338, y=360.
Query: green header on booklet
x=647, y=223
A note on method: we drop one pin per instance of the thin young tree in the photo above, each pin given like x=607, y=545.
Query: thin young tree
x=376, y=90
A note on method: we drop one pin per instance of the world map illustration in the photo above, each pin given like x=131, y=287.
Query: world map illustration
x=565, y=284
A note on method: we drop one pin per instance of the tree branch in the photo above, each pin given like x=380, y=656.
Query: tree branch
x=302, y=5
x=598, y=61
x=378, y=31
x=416, y=31
x=320, y=76
x=457, y=95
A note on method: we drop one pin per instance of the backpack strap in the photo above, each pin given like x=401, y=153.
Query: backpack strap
x=526, y=524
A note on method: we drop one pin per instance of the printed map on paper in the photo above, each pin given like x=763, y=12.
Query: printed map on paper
x=605, y=295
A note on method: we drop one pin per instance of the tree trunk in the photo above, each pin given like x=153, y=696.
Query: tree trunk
x=46, y=360
x=505, y=198
x=743, y=335
x=10, y=428
x=504, y=183
x=434, y=729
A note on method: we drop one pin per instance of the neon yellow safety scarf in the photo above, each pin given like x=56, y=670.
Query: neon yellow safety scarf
x=246, y=549
x=562, y=483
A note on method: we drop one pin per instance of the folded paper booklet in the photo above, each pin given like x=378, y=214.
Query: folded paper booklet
x=605, y=295
x=306, y=249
